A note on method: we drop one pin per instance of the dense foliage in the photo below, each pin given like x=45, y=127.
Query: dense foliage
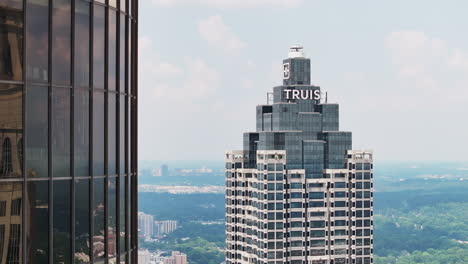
x=182, y=207
x=416, y=221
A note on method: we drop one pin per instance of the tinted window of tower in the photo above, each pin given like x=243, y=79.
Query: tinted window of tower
x=68, y=131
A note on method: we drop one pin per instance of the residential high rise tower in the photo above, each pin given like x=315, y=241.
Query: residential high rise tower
x=297, y=193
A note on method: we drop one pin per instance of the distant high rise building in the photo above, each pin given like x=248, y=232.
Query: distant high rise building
x=176, y=258
x=164, y=170
x=144, y=257
x=297, y=193
x=68, y=131
x=145, y=224
x=165, y=227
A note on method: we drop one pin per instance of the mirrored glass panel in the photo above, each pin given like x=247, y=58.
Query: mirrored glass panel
x=112, y=220
x=37, y=219
x=62, y=221
x=122, y=56
x=61, y=41
x=123, y=5
x=98, y=134
x=112, y=134
x=37, y=40
x=37, y=137
x=122, y=134
x=112, y=51
x=82, y=225
x=129, y=57
x=11, y=40
x=98, y=240
x=123, y=213
x=11, y=195
x=11, y=128
x=82, y=37
x=81, y=135
x=60, y=132
x=98, y=46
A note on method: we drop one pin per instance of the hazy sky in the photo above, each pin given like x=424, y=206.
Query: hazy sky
x=398, y=69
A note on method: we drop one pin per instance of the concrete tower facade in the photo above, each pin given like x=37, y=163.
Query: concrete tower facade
x=297, y=193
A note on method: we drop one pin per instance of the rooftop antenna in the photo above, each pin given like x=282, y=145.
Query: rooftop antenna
x=296, y=51
x=326, y=97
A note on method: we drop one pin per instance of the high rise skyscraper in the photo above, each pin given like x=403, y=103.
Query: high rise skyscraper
x=68, y=131
x=146, y=225
x=297, y=193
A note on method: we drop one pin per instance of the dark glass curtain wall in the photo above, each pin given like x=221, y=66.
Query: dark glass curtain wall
x=68, y=131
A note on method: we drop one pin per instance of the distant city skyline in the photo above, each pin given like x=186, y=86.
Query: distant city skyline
x=403, y=70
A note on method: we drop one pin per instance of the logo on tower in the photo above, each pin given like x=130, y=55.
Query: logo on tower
x=286, y=71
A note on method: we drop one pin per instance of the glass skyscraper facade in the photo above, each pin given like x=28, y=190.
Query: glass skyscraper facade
x=68, y=131
x=297, y=193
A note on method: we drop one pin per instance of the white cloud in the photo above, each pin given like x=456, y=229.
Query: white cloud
x=218, y=34
x=416, y=55
x=459, y=60
x=231, y=3
x=429, y=71
x=151, y=65
x=167, y=81
x=202, y=80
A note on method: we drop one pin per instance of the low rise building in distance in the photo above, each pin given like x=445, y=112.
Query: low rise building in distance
x=176, y=258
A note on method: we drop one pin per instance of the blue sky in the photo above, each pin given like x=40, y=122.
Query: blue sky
x=398, y=69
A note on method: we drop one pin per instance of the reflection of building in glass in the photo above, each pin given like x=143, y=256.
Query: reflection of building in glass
x=11, y=198
x=164, y=227
x=297, y=193
x=68, y=131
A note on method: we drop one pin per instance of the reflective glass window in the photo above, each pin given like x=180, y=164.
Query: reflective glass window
x=11, y=123
x=81, y=135
x=37, y=214
x=10, y=227
x=123, y=5
x=112, y=51
x=98, y=47
x=37, y=38
x=112, y=134
x=11, y=40
x=98, y=133
x=61, y=41
x=122, y=57
x=130, y=220
x=129, y=59
x=37, y=138
x=82, y=225
x=123, y=214
x=129, y=7
x=112, y=220
x=129, y=135
x=82, y=37
x=60, y=132
x=122, y=134
x=99, y=242
x=62, y=221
